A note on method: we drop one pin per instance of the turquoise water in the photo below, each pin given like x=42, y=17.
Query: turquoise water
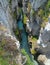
x=24, y=41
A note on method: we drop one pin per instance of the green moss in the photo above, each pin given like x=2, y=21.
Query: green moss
x=1, y=48
x=10, y=1
x=33, y=12
x=33, y=51
x=29, y=7
x=41, y=12
x=35, y=39
x=3, y=42
x=48, y=4
x=19, y=10
x=17, y=32
x=29, y=62
x=25, y=19
x=34, y=45
x=3, y=61
x=15, y=14
x=47, y=8
x=44, y=13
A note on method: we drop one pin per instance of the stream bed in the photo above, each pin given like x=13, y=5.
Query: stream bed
x=24, y=39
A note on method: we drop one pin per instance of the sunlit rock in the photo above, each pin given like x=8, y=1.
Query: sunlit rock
x=43, y=60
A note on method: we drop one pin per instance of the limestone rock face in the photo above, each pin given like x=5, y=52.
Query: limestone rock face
x=6, y=15
x=10, y=45
x=44, y=39
x=34, y=26
x=35, y=21
x=45, y=33
x=8, y=42
x=37, y=3
x=25, y=2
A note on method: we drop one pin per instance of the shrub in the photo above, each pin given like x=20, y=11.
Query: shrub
x=29, y=62
x=25, y=19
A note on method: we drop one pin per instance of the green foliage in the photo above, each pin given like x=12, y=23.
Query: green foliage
x=6, y=61
x=25, y=19
x=2, y=52
x=41, y=12
x=10, y=1
x=15, y=14
x=33, y=12
x=44, y=13
x=16, y=32
x=5, y=58
x=47, y=8
x=29, y=62
x=48, y=4
x=35, y=39
x=3, y=61
x=3, y=42
x=19, y=10
x=29, y=7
